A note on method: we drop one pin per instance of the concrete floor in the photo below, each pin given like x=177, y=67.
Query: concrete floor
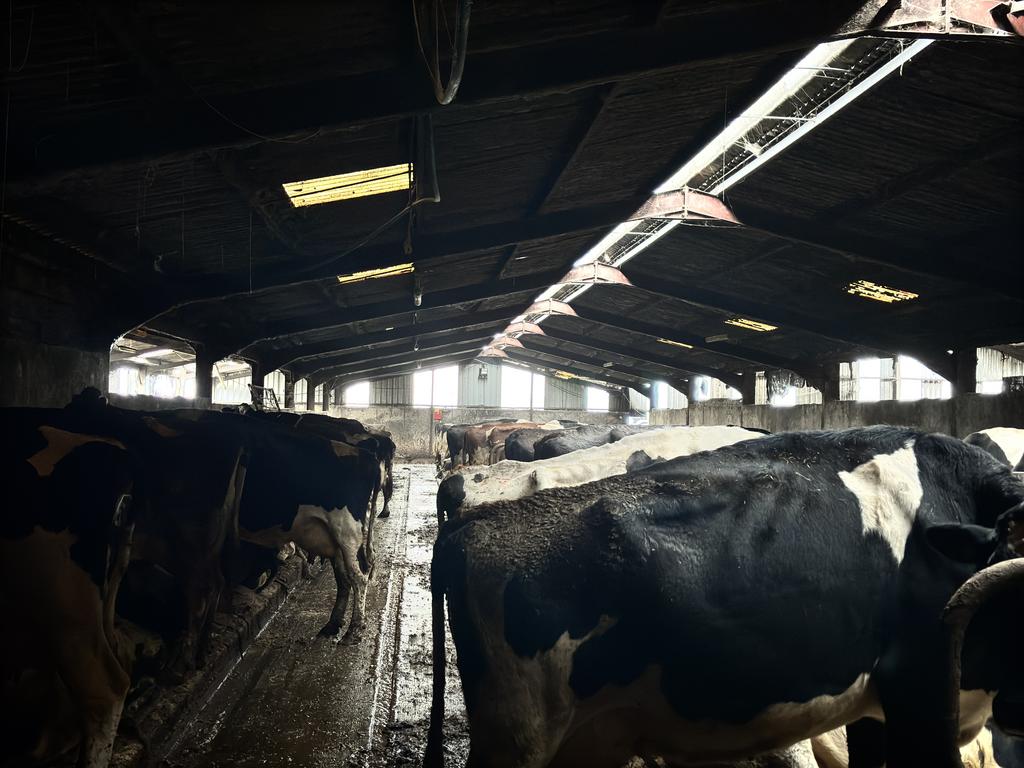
x=296, y=699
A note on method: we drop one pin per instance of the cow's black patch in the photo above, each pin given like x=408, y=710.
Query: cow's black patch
x=743, y=574
x=451, y=494
x=638, y=460
x=478, y=477
x=987, y=444
x=569, y=440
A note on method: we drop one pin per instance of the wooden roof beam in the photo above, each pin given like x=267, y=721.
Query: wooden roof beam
x=437, y=356
x=725, y=349
x=408, y=346
x=190, y=125
x=557, y=362
x=597, y=362
x=305, y=353
x=787, y=319
x=680, y=367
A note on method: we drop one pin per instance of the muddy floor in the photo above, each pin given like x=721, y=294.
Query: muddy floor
x=298, y=699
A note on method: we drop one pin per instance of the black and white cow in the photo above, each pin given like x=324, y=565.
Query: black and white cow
x=721, y=605
x=65, y=535
x=316, y=492
x=507, y=480
x=1005, y=443
x=579, y=438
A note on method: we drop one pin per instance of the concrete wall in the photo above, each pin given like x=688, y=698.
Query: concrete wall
x=44, y=375
x=413, y=428
x=957, y=416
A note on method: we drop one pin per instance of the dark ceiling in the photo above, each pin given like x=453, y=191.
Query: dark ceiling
x=148, y=142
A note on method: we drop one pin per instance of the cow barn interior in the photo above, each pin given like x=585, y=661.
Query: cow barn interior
x=490, y=290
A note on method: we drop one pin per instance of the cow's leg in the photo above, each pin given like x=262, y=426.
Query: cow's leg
x=913, y=687
x=865, y=741
x=203, y=588
x=97, y=685
x=357, y=580
x=388, y=487
x=333, y=626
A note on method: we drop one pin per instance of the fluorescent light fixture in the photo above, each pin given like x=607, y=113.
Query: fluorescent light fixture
x=786, y=87
x=547, y=293
x=604, y=244
x=348, y=186
x=878, y=292
x=372, y=274
x=676, y=343
x=751, y=325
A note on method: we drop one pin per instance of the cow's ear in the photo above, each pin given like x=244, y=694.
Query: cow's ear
x=1010, y=528
x=961, y=542
x=638, y=460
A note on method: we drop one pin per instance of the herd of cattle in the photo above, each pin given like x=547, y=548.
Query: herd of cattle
x=117, y=517
x=712, y=596
x=616, y=595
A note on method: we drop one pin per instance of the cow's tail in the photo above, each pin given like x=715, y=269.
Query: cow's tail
x=434, y=756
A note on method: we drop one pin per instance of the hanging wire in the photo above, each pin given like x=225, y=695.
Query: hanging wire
x=445, y=94
x=28, y=42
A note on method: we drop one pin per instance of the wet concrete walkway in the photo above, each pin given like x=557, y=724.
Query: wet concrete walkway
x=296, y=699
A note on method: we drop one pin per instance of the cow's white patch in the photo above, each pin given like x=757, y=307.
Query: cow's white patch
x=315, y=529
x=888, y=490
x=518, y=479
x=1011, y=441
x=59, y=444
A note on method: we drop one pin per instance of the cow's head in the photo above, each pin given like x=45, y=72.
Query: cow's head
x=985, y=619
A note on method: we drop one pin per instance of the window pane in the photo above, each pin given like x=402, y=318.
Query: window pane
x=597, y=399
x=515, y=387
x=422, y=383
x=539, y=382
x=446, y=386
x=358, y=394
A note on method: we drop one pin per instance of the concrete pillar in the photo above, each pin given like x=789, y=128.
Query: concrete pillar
x=326, y=405
x=748, y=386
x=289, y=390
x=966, y=381
x=205, y=358
x=310, y=395
x=338, y=386
x=827, y=382
x=693, y=390
x=257, y=373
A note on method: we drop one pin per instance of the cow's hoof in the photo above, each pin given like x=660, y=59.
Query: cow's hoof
x=330, y=629
x=353, y=636
x=384, y=513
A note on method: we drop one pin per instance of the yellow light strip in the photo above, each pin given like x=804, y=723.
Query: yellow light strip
x=751, y=325
x=371, y=274
x=676, y=343
x=564, y=375
x=348, y=186
x=877, y=292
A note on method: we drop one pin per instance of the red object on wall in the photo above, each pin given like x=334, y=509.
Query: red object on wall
x=437, y=414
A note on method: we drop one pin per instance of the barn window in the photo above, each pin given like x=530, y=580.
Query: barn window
x=521, y=388
x=438, y=386
x=878, y=292
x=597, y=399
x=348, y=186
x=751, y=325
x=357, y=395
